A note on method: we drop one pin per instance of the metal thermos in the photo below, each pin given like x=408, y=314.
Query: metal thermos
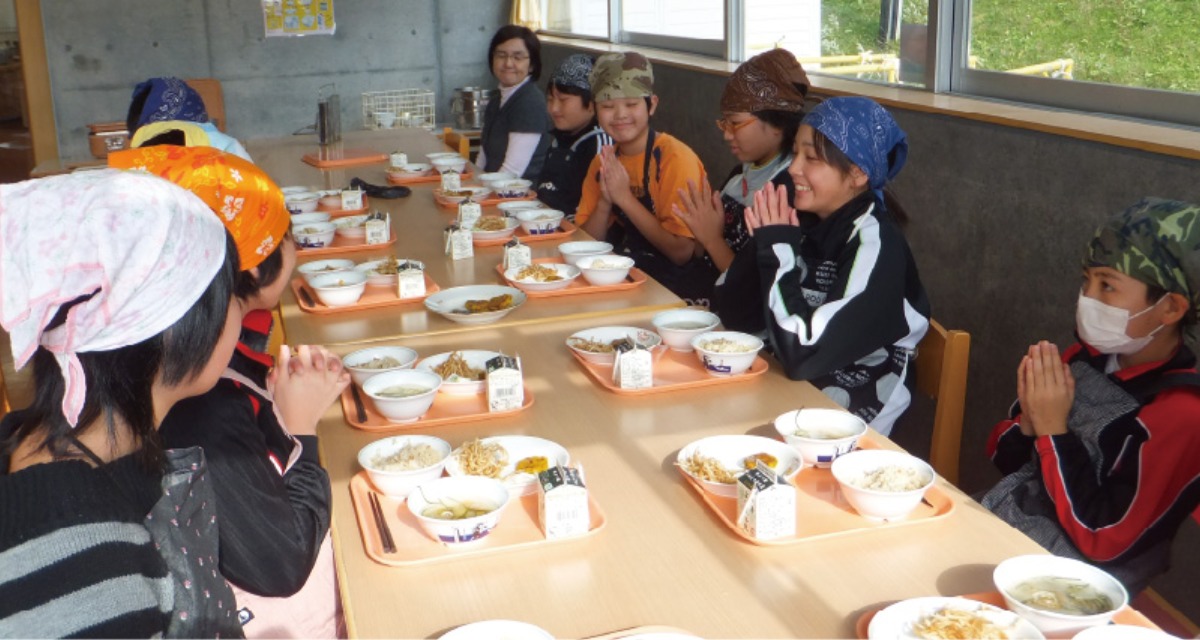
x=329, y=117
x=468, y=105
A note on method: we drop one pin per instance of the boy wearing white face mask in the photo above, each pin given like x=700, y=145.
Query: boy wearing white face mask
x=1102, y=450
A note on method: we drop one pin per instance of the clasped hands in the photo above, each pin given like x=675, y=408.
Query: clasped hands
x=1045, y=389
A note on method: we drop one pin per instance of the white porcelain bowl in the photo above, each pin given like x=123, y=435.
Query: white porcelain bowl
x=451, y=303
x=607, y=335
x=474, y=194
x=678, y=326
x=399, y=484
x=455, y=386
x=566, y=272
x=539, y=221
x=1013, y=571
x=602, y=271
x=509, y=629
x=518, y=448
x=301, y=219
x=339, y=289
x=820, y=435
x=375, y=279
x=490, y=180
x=573, y=251
x=444, y=164
x=309, y=270
x=512, y=188
x=292, y=190
x=304, y=202
x=330, y=199
x=385, y=119
x=879, y=504
x=512, y=207
x=351, y=226
x=510, y=227
x=409, y=170
x=314, y=235
x=441, y=154
x=731, y=452
x=355, y=362
x=470, y=491
x=407, y=409
x=732, y=363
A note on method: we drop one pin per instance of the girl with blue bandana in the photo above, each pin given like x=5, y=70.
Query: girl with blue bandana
x=828, y=278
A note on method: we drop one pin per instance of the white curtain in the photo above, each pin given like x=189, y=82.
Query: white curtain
x=527, y=13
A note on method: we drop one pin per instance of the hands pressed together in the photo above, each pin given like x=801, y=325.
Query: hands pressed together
x=771, y=207
x=702, y=212
x=304, y=383
x=1046, y=390
x=614, y=179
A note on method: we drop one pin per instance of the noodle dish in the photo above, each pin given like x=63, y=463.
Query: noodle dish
x=716, y=462
x=514, y=460
x=398, y=464
x=938, y=618
x=462, y=372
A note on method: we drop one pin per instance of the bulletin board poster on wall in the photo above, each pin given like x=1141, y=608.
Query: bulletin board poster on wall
x=293, y=18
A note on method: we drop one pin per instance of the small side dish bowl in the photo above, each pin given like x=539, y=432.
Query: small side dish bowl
x=679, y=326
x=566, y=275
x=303, y=202
x=820, y=435
x=446, y=164
x=330, y=199
x=737, y=454
x=402, y=396
x=351, y=227
x=572, y=252
x=882, y=484
x=490, y=180
x=365, y=364
x=512, y=188
x=539, y=221
x=579, y=340
x=441, y=154
x=474, y=194
x=726, y=353
x=512, y=207
x=450, y=496
x=301, y=219
x=314, y=235
x=1011, y=573
x=309, y=270
x=292, y=190
x=510, y=227
x=392, y=477
x=409, y=170
x=339, y=289
x=602, y=271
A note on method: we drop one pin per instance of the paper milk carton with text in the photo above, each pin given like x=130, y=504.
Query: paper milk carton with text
x=766, y=504
x=563, y=503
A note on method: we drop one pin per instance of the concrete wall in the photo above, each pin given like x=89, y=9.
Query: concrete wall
x=99, y=49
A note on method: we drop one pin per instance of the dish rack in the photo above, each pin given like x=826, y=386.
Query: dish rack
x=417, y=103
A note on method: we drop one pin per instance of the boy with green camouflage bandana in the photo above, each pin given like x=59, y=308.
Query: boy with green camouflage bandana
x=1102, y=450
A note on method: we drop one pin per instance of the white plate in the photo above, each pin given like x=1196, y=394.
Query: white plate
x=450, y=303
x=477, y=194
x=518, y=448
x=567, y=272
x=510, y=227
x=661, y=635
x=475, y=359
x=498, y=630
x=897, y=620
x=608, y=334
x=731, y=450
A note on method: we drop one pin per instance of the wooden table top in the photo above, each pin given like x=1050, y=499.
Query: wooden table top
x=663, y=558
x=418, y=224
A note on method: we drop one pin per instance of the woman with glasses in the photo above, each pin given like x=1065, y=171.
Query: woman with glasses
x=515, y=123
x=761, y=109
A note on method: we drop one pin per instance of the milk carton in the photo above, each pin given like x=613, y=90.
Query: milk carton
x=378, y=227
x=766, y=504
x=563, y=503
x=633, y=366
x=505, y=389
x=517, y=255
x=410, y=279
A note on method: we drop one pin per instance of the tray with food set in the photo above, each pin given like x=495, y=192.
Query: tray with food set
x=1126, y=616
x=342, y=245
x=673, y=371
x=338, y=212
x=333, y=157
x=565, y=230
x=447, y=409
x=373, y=297
x=518, y=529
x=429, y=176
x=486, y=199
x=579, y=285
x=821, y=511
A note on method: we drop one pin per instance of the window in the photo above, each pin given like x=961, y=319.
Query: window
x=577, y=17
x=697, y=26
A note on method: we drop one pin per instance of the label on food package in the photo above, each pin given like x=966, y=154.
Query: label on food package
x=352, y=199
x=633, y=367
x=399, y=159
x=563, y=503
x=517, y=255
x=378, y=227
x=766, y=504
x=458, y=243
x=505, y=388
x=410, y=283
x=451, y=181
x=468, y=213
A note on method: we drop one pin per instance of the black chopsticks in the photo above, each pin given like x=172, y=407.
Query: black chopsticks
x=305, y=297
x=385, y=534
x=359, y=409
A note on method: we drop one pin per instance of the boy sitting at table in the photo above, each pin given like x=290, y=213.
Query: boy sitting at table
x=1102, y=450
x=633, y=185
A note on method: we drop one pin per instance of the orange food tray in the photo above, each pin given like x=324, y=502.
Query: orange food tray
x=332, y=158
x=340, y=212
x=518, y=529
x=564, y=231
x=489, y=201
x=430, y=176
x=342, y=245
x=637, y=631
x=636, y=278
x=372, y=298
x=672, y=371
x=821, y=511
x=1127, y=615
x=446, y=409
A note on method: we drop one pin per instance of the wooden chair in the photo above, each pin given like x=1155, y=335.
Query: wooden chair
x=457, y=142
x=3, y=395
x=214, y=98
x=942, y=358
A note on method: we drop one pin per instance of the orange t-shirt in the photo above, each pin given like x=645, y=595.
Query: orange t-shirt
x=672, y=164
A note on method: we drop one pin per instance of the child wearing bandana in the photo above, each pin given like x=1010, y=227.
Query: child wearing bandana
x=1102, y=448
x=828, y=278
x=576, y=137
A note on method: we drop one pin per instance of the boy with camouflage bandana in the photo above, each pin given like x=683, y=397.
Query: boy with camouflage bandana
x=1102, y=450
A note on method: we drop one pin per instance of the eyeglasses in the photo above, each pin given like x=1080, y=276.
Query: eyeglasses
x=518, y=58
x=733, y=127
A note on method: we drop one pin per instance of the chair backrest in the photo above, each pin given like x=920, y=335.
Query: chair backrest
x=3, y=395
x=214, y=98
x=942, y=358
x=457, y=142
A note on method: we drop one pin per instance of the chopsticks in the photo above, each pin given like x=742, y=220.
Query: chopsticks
x=305, y=297
x=385, y=534
x=359, y=410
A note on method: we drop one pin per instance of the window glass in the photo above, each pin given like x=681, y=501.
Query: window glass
x=695, y=19
x=581, y=17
